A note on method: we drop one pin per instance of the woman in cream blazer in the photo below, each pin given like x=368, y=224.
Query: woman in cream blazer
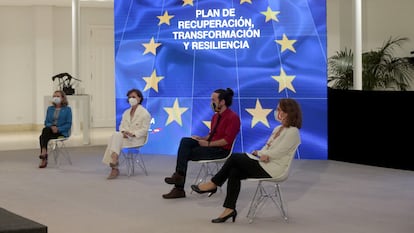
x=133, y=131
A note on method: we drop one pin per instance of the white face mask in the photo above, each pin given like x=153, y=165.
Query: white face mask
x=56, y=100
x=278, y=116
x=132, y=101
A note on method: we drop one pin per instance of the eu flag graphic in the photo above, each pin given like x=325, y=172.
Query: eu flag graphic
x=177, y=52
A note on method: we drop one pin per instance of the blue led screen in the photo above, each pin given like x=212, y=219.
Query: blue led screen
x=177, y=52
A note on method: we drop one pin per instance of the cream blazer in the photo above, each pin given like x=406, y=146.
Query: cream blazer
x=281, y=151
x=138, y=125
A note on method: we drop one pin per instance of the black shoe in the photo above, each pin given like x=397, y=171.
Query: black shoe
x=223, y=219
x=196, y=189
x=176, y=179
x=174, y=193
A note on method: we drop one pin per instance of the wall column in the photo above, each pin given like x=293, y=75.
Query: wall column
x=358, y=45
x=75, y=38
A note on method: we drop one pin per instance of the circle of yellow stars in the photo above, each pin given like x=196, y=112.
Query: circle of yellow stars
x=259, y=114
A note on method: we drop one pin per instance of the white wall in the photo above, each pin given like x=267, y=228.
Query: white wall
x=388, y=18
x=16, y=65
x=35, y=44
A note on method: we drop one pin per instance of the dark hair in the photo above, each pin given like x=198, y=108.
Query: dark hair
x=64, y=100
x=226, y=95
x=294, y=113
x=138, y=92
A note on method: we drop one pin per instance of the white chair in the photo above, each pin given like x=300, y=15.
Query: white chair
x=264, y=192
x=210, y=167
x=131, y=156
x=57, y=148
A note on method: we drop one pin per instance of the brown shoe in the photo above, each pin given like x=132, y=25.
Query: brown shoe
x=114, y=165
x=175, y=179
x=174, y=193
x=43, y=161
x=114, y=174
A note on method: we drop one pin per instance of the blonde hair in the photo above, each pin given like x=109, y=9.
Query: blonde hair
x=64, y=101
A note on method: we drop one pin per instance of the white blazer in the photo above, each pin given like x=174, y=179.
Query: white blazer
x=281, y=151
x=138, y=125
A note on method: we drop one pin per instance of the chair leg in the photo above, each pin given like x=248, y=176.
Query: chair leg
x=131, y=158
x=279, y=202
x=257, y=199
x=260, y=197
x=202, y=170
x=54, y=154
x=141, y=163
x=125, y=157
x=58, y=149
x=64, y=152
x=129, y=161
x=217, y=168
x=206, y=171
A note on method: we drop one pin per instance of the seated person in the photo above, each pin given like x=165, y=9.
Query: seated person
x=133, y=131
x=58, y=123
x=217, y=144
x=270, y=161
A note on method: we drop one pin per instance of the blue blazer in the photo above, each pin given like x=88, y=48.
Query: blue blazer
x=64, y=122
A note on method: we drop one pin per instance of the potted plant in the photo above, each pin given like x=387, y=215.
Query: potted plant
x=381, y=70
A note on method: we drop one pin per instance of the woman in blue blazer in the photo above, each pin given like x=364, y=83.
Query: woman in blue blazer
x=58, y=123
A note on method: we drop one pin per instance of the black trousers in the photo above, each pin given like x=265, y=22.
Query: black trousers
x=46, y=135
x=190, y=150
x=238, y=167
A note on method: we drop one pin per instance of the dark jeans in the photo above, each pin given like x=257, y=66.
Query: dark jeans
x=190, y=150
x=238, y=167
x=46, y=135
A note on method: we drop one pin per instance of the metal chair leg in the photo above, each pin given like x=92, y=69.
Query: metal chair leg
x=130, y=158
x=58, y=149
x=141, y=163
x=254, y=203
x=261, y=196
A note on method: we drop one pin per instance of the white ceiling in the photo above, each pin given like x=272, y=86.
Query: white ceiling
x=104, y=3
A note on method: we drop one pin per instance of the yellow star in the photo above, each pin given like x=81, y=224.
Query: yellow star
x=188, y=2
x=174, y=113
x=286, y=43
x=270, y=14
x=259, y=114
x=207, y=123
x=243, y=1
x=151, y=47
x=165, y=18
x=285, y=81
x=152, y=81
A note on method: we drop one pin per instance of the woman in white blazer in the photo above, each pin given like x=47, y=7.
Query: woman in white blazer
x=133, y=131
x=271, y=161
